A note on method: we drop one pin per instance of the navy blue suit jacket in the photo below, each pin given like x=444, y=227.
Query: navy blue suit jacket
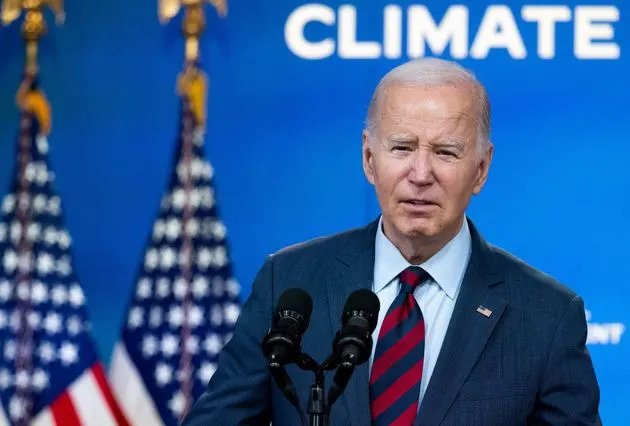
x=524, y=364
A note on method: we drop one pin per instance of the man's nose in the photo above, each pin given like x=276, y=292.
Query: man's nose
x=421, y=168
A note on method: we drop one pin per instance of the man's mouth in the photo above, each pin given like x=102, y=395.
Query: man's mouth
x=420, y=202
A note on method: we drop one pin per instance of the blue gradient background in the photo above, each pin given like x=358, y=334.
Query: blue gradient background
x=284, y=137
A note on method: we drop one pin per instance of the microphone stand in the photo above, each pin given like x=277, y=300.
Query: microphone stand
x=317, y=408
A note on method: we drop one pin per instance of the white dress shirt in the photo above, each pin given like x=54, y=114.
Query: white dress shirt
x=435, y=297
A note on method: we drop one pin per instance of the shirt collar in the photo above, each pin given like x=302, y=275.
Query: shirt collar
x=446, y=267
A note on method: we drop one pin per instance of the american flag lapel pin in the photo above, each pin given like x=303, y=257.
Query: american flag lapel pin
x=484, y=311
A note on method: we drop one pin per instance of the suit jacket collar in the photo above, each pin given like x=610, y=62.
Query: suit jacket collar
x=465, y=338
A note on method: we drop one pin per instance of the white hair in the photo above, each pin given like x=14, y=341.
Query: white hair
x=434, y=72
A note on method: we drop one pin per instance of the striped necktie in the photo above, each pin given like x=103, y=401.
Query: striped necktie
x=397, y=368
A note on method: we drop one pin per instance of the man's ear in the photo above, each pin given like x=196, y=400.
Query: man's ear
x=368, y=158
x=482, y=172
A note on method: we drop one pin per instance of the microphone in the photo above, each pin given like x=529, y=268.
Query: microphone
x=353, y=344
x=282, y=342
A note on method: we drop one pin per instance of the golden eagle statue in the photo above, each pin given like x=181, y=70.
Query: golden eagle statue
x=11, y=9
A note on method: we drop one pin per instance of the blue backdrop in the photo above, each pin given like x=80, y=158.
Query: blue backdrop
x=284, y=136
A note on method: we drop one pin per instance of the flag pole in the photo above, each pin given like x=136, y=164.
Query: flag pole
x=192, y=88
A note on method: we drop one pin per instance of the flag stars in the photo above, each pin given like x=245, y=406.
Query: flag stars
x=68, y=353
x=218, y=230
x=45, y=263
x=42, y=144
x=195, y=316
x=46, y=352
x=63, y=266
x=4, y=320
x=52, y=323
x=22, y=379
x=33, y=231
x=178, y=198
x=172, y=229
x=63, y=239
x=39, y=203
x=205, y=373
x=168, y=257
x=169, y=345
x=6, y=379
x=3, y=232
x=163, y=374
x=54, y=206
x=9, y=261
x=41, y=174
x=50, y=235
x=143, y=291
x=220, y=257
x=207, y=197
x=158, y=230
x=136, y=317
x=29, y=171
x=39, y=293
x=231, y=311
x=15, y=321
x=151, y=259
x=34, y=319
x=74, y=325
x=23, y=291
x=180, y=288
x=9, y=349
x=76, y=296
x=204, y=257
x=59, y=294
x=212, y=344
x=16, y=231
x=192, y=228
x=192, y=344
x=200, y=287
x=177, y=404
x=6, y=289
x=8, y=204
x=175, y=316
x=163, y=287
x=17, y=407
x=40, y=379
x=149, y=345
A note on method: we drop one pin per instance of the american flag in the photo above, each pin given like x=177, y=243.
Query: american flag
x=49, y=370
x=186, y=300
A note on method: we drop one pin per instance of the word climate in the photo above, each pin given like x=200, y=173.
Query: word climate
x=500, y=28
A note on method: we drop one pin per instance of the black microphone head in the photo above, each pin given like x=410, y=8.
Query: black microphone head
x=364, y=301
x=296, y=300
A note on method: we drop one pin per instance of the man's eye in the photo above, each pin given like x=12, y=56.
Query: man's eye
x=447, y=153
x=401, y=148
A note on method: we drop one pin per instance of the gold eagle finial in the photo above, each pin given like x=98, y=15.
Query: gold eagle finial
x=34, y=25
x=167, y=9
x=194, y=20
x=11, y=9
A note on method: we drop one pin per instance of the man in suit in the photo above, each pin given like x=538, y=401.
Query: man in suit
x=467, y=334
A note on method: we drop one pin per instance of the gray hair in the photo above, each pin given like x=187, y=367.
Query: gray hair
x=435, y=72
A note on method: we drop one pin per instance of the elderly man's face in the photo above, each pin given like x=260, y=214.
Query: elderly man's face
x=424, y=162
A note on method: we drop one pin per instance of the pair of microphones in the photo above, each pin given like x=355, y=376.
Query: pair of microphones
x=351, y=346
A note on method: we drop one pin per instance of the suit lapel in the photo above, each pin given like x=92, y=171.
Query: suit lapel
x=467, y=333
x=354, y=270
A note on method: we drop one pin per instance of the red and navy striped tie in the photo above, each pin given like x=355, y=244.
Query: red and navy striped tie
x=398, y=361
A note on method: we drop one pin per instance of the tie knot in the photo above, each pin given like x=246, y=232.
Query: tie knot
x=411, y=278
